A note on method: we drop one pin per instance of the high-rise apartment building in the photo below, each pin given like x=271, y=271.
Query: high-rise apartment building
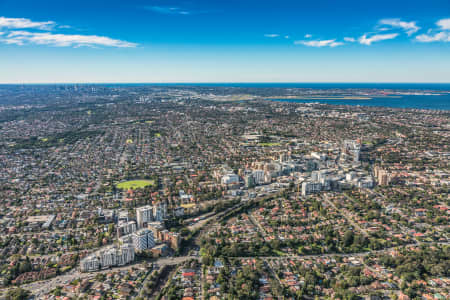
x=144, y=215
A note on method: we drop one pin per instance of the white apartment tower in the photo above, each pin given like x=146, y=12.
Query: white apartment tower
x=143, y=239
x=160, y=211
x=144, y=215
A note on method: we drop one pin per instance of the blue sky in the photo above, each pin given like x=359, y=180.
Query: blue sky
x=50, y=41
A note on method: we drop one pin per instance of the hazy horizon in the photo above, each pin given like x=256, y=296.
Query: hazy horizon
x=225, y=83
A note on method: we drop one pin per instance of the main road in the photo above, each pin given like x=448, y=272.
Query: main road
x=41, y=288
x=354, y=254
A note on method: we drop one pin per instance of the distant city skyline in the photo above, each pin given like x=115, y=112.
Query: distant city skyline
x=171, y=41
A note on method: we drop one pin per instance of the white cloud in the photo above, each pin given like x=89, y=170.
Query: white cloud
x=444, y=24
x=319, y=43
x=349, y=39
x=287, y=37
x=168, y=10
x=443, y=36
x=408, y=27
x=63, y=40
x=17, y=32
x=307, y=36
x=271, y=35
x=376, y=38
x=432, y=36
x=22, y=23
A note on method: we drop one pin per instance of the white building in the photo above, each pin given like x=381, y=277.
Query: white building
x=230, y=179
x=284, y=157
x=310, y=187
x=49, y=221
x=90, y=263
x=124, y=228
x=143, y=239
x=353, y=148
x=108, y=257
x=150, y=240
x=366, y=183
x=315, y=176
x=350, y=176
x=125, y=254
x=319, y=156
x=123, y=215
x=111, y=256
x=160, y=211
x=184, y=197
x=126, y=239
x=144, y=215
x=325, y=184
x=259, y=176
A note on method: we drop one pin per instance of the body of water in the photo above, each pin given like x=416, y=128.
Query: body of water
x=437, y=102
x=441, y=102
